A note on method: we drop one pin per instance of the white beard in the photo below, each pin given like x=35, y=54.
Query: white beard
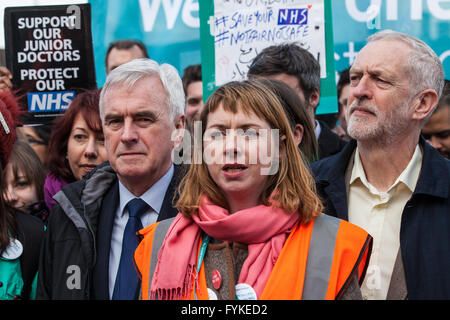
x=381, y=131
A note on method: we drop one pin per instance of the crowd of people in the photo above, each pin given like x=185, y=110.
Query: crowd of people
x=275, y=202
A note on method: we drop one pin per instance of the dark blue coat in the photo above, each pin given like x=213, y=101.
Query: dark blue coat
x=425, y=224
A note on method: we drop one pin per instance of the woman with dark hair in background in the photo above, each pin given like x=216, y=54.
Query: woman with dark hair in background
x=299, y=120
x=20, y=234
x=76, y=144
x=24, y=178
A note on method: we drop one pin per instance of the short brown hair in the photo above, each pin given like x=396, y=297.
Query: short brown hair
x=191, y=74
x=293, y=183
x=444, y=101
x=291, y=59
x=86, y=104
x=125, y=44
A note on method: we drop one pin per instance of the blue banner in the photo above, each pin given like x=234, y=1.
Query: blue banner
x=170, y=28
x=49, y=101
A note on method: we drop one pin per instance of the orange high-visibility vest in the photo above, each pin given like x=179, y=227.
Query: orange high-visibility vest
x=318, y=260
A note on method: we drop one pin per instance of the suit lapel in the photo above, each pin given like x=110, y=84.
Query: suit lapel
x=105, y=226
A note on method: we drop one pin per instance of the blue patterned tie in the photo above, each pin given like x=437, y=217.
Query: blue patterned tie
x=127, y=279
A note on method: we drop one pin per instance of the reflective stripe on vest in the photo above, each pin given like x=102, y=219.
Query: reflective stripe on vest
x=158, y=239
x=320, y=257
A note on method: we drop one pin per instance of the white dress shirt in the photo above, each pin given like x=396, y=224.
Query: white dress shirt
x=154, y=198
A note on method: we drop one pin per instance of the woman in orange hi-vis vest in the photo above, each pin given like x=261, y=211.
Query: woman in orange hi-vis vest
x=249, y=225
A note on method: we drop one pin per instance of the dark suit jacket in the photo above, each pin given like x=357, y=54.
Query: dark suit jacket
x=424, y=233
x=105, y=226
x=329, y=142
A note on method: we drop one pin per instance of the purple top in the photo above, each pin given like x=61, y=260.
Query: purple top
x=52, y=186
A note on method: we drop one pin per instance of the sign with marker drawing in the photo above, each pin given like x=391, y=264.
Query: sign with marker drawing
x=49, y=52
x=241, y=29
x=234, y=32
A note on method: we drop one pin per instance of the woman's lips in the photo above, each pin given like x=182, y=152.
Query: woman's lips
x=88, y=167
x=233, y=171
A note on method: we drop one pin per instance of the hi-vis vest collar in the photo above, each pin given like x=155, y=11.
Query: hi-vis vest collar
x=318, y=260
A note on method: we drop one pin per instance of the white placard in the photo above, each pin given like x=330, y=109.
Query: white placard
x=243, y=28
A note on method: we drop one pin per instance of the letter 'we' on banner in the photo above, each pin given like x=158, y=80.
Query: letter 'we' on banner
x=49, y=52
x=233, y=32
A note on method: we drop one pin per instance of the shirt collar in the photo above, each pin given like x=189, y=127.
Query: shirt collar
x=153, y=197
x=317, y=129
x=408, y=177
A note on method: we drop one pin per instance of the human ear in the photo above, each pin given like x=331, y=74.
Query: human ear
x=178, y=134
x=282, y=148
x=298, y=132
x=424, y=104
x=314, y=98
x=180, y=122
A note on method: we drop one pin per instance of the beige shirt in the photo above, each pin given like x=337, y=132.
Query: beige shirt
x=380, y=213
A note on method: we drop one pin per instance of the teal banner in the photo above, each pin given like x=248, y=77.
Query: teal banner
x=355, y=20
x=171, y=28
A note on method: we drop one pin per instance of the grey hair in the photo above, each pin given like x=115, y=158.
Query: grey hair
x=424, y=66
x=131, y=72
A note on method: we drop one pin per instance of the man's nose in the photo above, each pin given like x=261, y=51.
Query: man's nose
x=129, y=132
x=363, y=89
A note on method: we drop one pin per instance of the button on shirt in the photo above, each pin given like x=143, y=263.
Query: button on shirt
x=379, y=213
x=154, y=198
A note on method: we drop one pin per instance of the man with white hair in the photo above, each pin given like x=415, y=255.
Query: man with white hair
x=388, y=180
x=91, y=234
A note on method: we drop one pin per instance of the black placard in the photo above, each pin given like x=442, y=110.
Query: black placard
x=49, y=52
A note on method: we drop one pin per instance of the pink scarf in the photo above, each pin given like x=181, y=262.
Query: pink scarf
x=264, y=229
